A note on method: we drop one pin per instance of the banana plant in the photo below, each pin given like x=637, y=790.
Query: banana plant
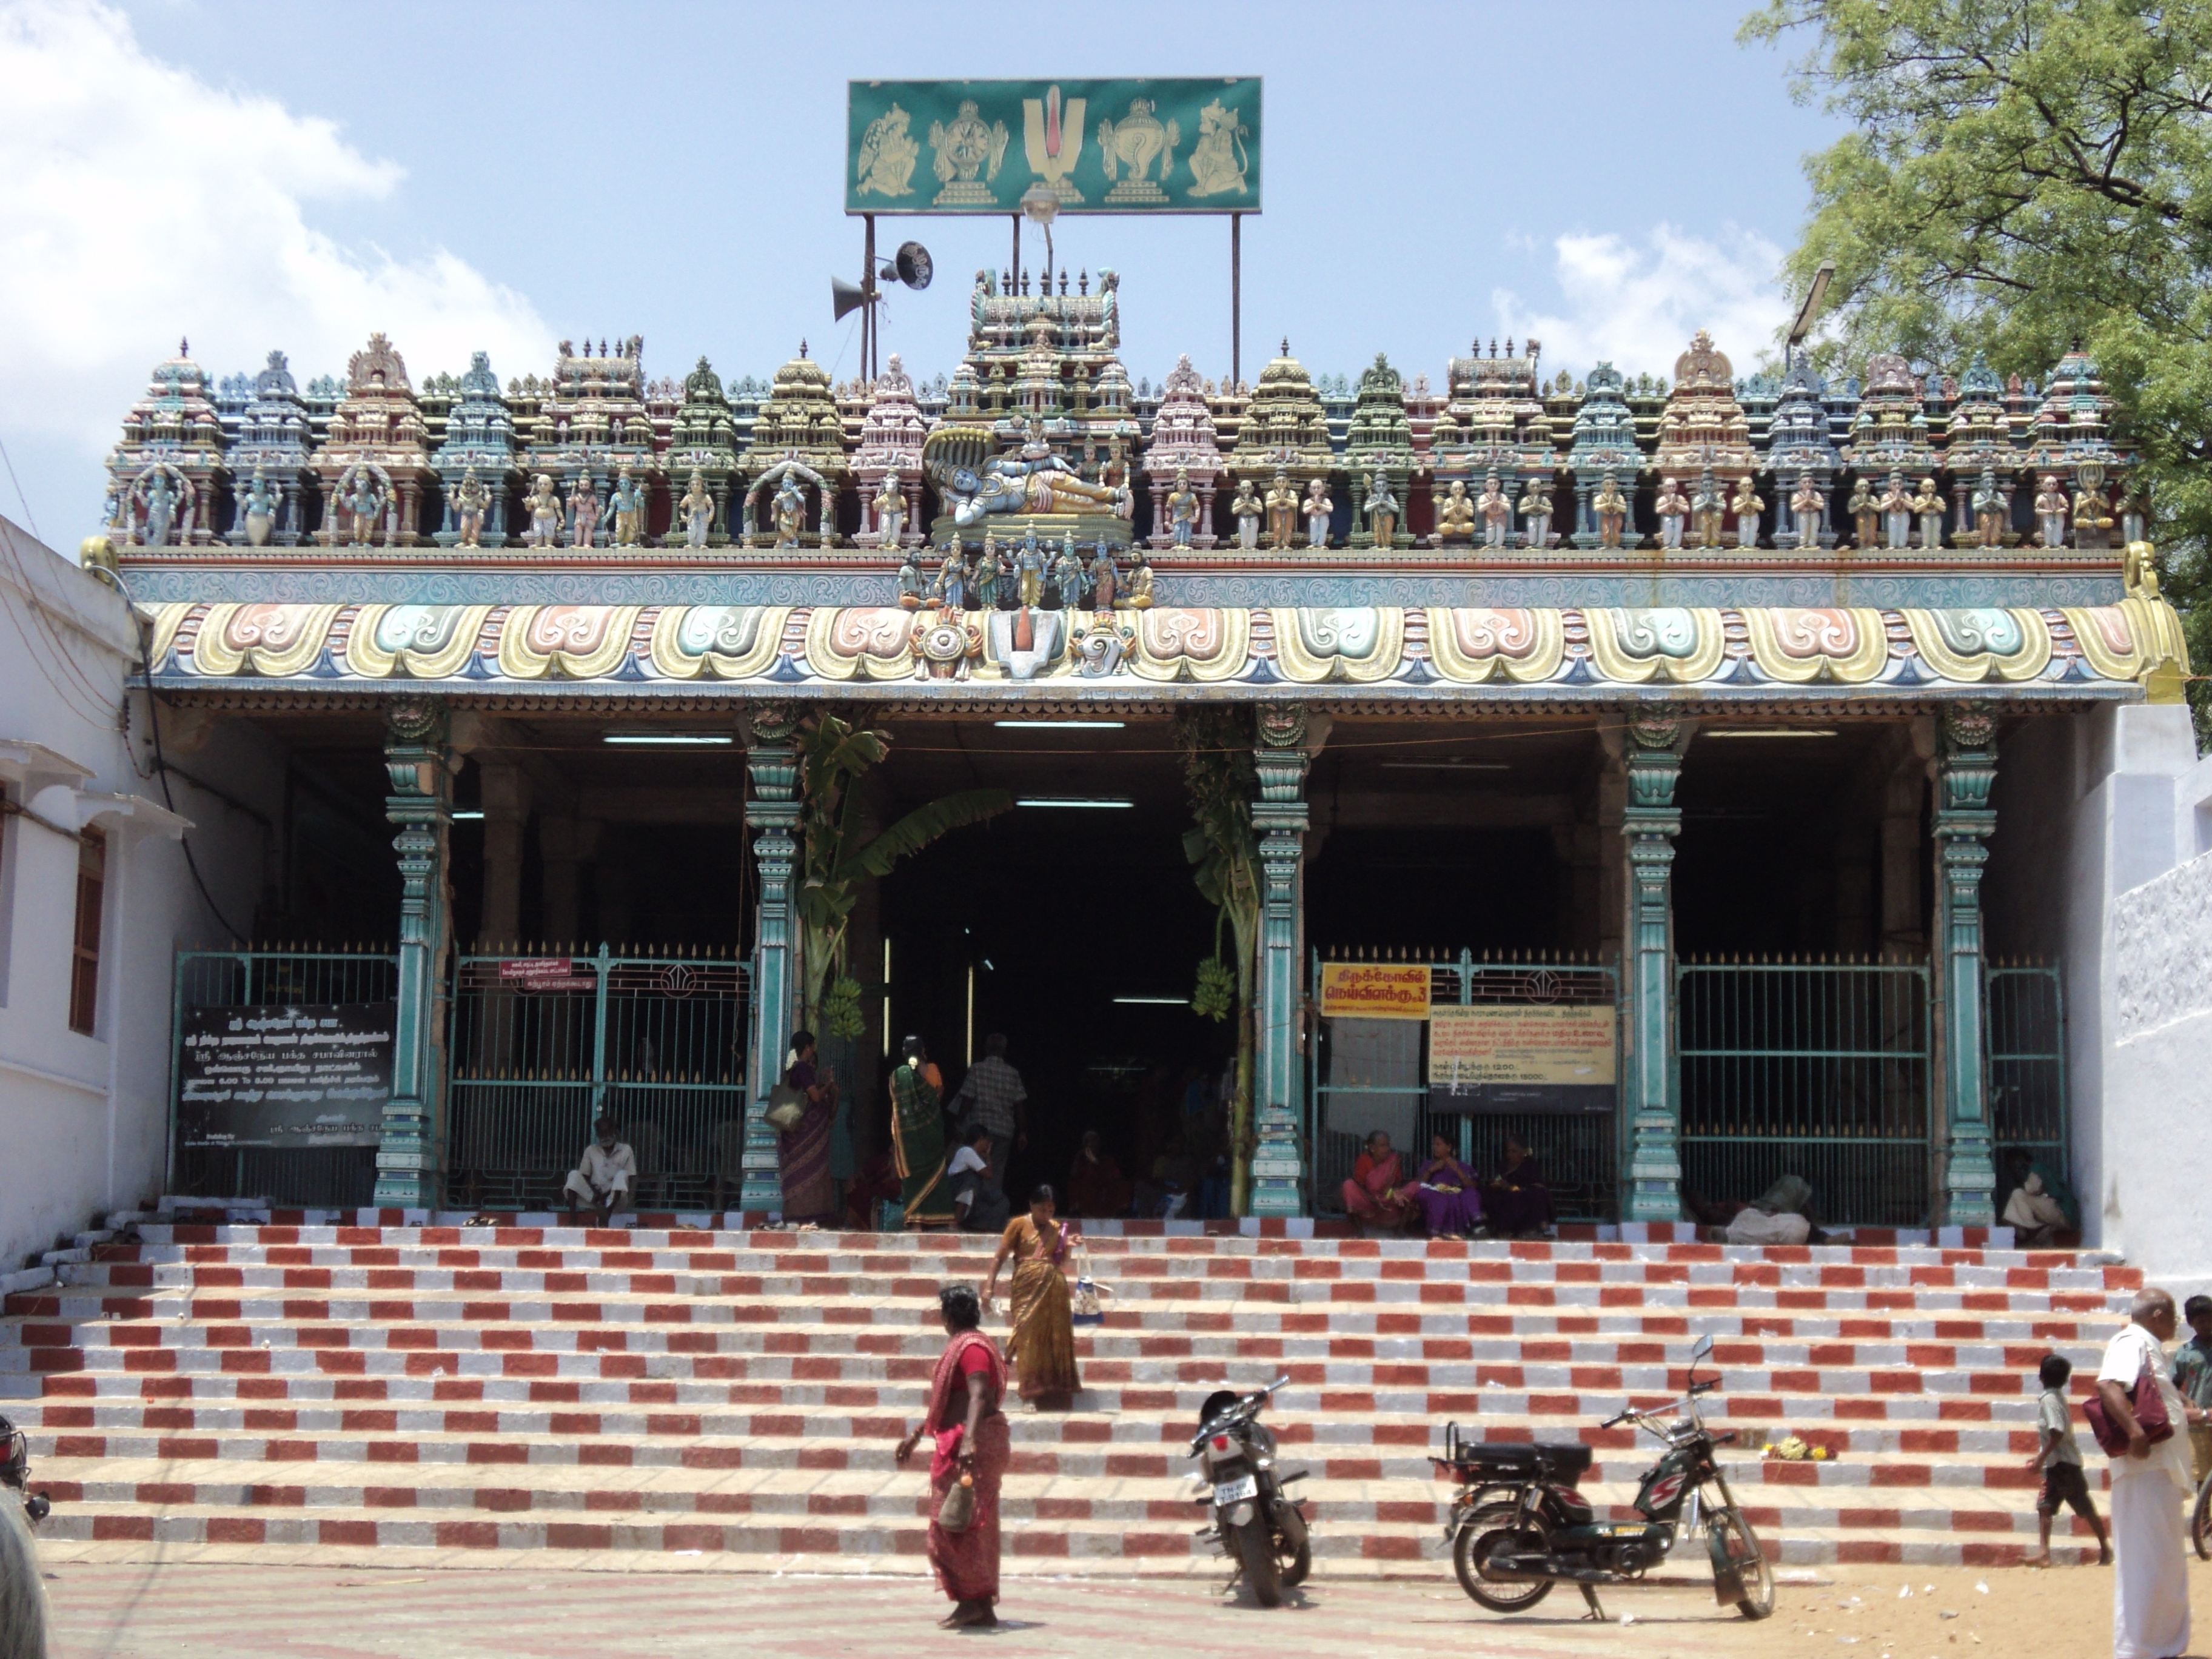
x=834, y=862
x=1223, y=849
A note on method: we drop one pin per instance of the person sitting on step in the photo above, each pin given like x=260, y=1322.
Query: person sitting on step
x=606, y=1176
x=980, y=1207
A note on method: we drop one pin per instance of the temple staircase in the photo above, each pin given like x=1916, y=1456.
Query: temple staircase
x=313, y=1388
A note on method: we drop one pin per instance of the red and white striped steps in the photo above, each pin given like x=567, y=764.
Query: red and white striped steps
x=318, y=1392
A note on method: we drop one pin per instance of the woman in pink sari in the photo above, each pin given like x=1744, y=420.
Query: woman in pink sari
x=1376, y=1195
x=1445, y=1189
x=969, y=1430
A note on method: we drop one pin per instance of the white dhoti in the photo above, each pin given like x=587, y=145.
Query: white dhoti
x=2150, y=1585
x=587, y=1194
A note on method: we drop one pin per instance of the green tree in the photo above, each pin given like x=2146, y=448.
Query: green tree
x=834, y=861
x=2024, y=174
x=1215, y=743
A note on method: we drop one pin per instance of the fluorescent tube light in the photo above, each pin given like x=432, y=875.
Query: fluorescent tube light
x=465, y=816
x=1164, y=1002
x=669, y=740
x=1062, y=800
x=1064, y=726
x=1772, y=731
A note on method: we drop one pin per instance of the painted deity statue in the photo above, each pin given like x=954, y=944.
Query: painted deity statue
x=1806, y=502
x=1496, y=513
x=1928, y=508
x=788, y=509
x=1745, y=507
x=1865, y=515
x=1991, y=509
x=1037, y=480
x=1068, y=575
x=1104, y=580
x=2093, y=512
x=1028, y=564
x=627, y=503
x=987, y=572
x=544, y=507
x=1382, y=510
x=470, y=500
x=910, y=581
x=2134, y=513
x=1245, y=509
x=696, y=509
x=1136, y=593
x=1707, y=508
x=1455, y=516
x=257, y=510
x=1610, y=508
x=1896, y=506
x=364, y=500
x=2051, y=511
x=583, y=512
x=1282, y=511
x=1673, y=507
x=889, y=509
x=1536, y=511
x=161, y=499
x=1318, y=507
x=1182, y=508
x=951, y=588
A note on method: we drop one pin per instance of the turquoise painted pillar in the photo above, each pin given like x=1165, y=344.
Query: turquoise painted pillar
x=1278, y=1094
x=1964, y=774
x=772, y=813
x=408, y=1162
x=1651, y=822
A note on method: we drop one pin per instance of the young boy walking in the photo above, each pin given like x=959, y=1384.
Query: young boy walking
x=2059, y=1459
x=2192, y=1380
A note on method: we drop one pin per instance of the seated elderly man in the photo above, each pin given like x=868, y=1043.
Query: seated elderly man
x=605, y=1178
x=980, y=1207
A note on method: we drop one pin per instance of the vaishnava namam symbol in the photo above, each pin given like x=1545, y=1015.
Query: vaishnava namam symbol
x=1051, y=144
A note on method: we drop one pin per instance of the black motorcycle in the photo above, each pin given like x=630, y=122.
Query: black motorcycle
x=1518, y=1526
x=1259, y=1529
x=15, y=1471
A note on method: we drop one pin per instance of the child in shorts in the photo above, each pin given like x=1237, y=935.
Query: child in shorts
x=2059, y=1459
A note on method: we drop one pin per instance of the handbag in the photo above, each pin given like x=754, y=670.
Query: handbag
x=2146, y=1400
x=785, y=1106
x=957, y=1512
x=1084, y=1307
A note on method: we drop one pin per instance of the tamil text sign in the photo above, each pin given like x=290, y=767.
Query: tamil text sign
x=1520, y=1057
x=1374, y=990
x=302, y=1075
x=1100, y=146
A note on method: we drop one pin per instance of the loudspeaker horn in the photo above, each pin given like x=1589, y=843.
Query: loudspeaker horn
x=844, y=297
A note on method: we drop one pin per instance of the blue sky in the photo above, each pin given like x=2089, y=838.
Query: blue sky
x=1606, y=176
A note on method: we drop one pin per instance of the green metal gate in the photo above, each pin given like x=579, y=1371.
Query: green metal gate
x=1581, y=1154
x=2027, y=1033
x=1819, y=1068
x=541, y=1045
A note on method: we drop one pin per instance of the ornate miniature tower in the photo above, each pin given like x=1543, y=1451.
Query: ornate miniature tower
x=272, y=440
x=480, y=437
x=373, y=466
x=1604, y=443
x=1496, y=422
x=1980, y=440
x=1184, y=442
x=1703, y=428
x=703, y=438
x=166, y=474
x=1380, y=438
x=2073, y=443
x=1889, y=434
x=890, y=439
x=799, y=422
x=592, y=426
x=1803, y=463
x=1285, y=429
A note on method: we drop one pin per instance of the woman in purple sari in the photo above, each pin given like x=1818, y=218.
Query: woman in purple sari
x=1445, y=1190
x=809, y=1194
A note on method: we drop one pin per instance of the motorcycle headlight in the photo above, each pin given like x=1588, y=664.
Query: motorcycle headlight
x=1263, y=1462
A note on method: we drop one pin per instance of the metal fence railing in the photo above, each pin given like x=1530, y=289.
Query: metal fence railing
x=253, y=975
x=542, y=1045
x=1580, y=1154
x=2026, y=1034
x=1817, y=1068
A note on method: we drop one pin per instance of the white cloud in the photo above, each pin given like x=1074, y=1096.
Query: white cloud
x=138, y=204
x=1637, y=307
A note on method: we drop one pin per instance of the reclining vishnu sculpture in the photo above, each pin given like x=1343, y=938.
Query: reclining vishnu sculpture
x=975, y=484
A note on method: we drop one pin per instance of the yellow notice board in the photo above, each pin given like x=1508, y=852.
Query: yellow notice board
x=1521, y=1057
x=1374, y=990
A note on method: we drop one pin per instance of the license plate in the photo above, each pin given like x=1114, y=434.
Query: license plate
x=1234, y=1492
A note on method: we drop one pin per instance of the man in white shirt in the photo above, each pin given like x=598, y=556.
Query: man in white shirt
x=2150, y=1485
x=981, y=1207
x=605, y=1177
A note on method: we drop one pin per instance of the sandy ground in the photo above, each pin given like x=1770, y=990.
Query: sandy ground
x=182, y=1611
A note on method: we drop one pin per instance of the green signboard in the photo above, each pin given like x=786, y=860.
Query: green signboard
x=1101, y=146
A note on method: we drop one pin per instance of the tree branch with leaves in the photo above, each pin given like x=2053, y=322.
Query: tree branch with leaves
x=1215, y=746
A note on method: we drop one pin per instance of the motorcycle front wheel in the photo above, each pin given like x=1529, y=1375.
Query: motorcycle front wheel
x=1255, y=1548
x=2200, y=1521
x=1753, y=1569
x=1490, y=1528
x=1295, y=1549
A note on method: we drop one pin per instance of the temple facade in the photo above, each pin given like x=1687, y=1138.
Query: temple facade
x=1756, y=710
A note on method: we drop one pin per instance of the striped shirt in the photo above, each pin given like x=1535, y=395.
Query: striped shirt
x=991, y=1090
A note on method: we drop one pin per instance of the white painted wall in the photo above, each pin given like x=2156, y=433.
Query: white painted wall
x=85, y=1118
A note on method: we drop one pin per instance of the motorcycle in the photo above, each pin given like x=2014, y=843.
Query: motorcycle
x=1518, y=1526
x=1259, y=1529
x=16, y=1472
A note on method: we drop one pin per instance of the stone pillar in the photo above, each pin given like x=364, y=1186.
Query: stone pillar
x=1277, y=1090
x=421, y=767
x=507, y=811
x=772, y=813
x=1965, y=770
x=1650, y=821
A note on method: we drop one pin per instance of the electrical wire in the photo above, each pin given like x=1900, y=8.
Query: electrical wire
x=18, y=482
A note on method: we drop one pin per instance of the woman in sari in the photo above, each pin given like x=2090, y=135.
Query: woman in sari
x=918, y=1138
x=1376, y=1195
x=1043, y=1344
x=1445, y=1190
x=809, y=1194
x=970, y=1432
x=1095, y=1186
x=1516, y=1201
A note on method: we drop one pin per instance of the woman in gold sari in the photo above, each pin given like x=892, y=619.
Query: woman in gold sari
x=1043, y=1344
x=918, y=1138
